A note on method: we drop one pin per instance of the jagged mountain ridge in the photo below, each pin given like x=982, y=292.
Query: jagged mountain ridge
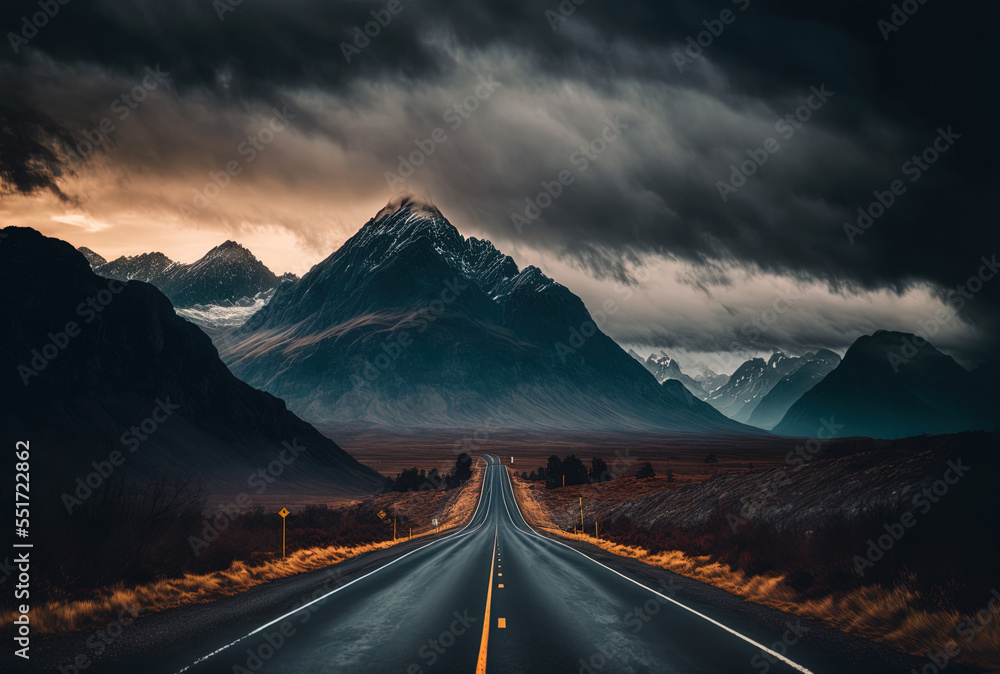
x=811, y=370
x=93, y=258
x=225, y=276
x=755, y=379
x=663, y=367
x=77, y=395
x=409, y=324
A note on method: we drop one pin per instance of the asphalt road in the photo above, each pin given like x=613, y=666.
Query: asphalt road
x=494, y=597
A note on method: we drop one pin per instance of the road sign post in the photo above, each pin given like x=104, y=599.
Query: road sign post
x=284, y=513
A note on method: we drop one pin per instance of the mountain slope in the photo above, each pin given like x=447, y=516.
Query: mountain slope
x=93, y=258
x=223, y=276
x=749, y=384
x=663, y=367
x=409, y=324
x=814, y=367
x=130, y=376
x=887, y=387
x=148, y=267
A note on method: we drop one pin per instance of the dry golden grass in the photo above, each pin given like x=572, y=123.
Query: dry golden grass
x=55, y=617
x=882, y=614
x=63, y=617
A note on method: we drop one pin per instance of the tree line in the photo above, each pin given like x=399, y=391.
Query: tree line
x=573, y=471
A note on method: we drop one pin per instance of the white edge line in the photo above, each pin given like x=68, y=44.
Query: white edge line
x=673, y=601
x=457, y=534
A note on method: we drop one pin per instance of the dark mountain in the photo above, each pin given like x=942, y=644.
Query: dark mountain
x=148, y=267
x=224, y=276
x=888, y=386
x=92, y=366
x=813, y=368
x=409, y=324
x=93, y=258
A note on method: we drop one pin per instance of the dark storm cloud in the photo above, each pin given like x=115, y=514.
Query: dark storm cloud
x=653, y=190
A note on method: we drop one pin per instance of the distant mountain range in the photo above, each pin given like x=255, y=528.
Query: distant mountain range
x=409, y=324
x=754, y=381
x=758, y=392
x=809, y=370
x=225, y=276
x=663, y=367
x=892, y=385
x=89, y=367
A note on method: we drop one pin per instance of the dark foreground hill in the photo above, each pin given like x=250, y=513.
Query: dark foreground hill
x=101, y=372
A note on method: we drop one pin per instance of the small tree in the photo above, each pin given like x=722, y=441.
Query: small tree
x=599, y=470
x=711, y=459
x=574, y=470
x=646, y=471
x=554, y=472
x=460, y=473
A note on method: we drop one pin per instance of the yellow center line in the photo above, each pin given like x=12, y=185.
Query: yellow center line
x=481, y=665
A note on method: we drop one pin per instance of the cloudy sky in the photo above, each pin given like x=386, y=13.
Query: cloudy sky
x=133, y=125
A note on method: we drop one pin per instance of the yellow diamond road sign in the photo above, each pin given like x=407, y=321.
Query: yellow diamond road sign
x=381, y=514
x=283, y=512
